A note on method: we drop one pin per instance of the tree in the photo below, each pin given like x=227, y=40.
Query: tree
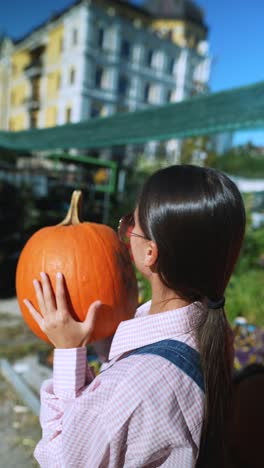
x=243, y=161
x=198, y=151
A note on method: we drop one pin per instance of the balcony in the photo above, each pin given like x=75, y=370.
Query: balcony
x=34, y=68
x=32, y=102
x=199, y=87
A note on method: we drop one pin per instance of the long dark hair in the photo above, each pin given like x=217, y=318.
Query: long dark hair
x=196, y=216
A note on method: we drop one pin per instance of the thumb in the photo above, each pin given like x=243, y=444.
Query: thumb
x=89, y=322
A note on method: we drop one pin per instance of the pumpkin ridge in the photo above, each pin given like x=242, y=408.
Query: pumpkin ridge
x=80, y=236
x=90, y=238
x=95, y=235
x=43, y=263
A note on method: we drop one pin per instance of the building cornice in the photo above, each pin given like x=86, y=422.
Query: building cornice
x=126, y=9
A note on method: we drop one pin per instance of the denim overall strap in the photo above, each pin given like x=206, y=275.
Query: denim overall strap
x=180, y=354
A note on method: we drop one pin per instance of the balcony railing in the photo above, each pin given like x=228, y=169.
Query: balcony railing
x=32, y=102
x=34, y=68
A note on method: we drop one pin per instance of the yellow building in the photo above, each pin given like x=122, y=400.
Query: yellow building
x=5, y=80
x=180, y=20
x=102, y=56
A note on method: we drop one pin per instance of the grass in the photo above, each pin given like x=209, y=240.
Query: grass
x=16, y=339
x=245, y=296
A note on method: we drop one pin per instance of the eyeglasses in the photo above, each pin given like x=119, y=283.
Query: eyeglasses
x=126, y=224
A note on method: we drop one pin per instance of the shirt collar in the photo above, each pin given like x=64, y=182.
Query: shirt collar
x=145, y=329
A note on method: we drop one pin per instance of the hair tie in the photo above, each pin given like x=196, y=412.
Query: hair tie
x=215, y=304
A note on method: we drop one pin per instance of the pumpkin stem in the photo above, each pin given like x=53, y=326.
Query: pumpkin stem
x=74, y=214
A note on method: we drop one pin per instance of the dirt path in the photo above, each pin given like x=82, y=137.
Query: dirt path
x=19, y=428
x=19, y=431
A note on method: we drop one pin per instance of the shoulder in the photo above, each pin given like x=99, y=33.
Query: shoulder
x=132, y=379
x=155, y=397
x=145, y=392
x=137, y=379
x=139, y=372
x=141, y=395
x=154, y=382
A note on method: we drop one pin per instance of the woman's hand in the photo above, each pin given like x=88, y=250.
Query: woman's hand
x=55, y=319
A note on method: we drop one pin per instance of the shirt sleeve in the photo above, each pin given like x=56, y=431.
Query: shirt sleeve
x=111, y=422
x=71, y=375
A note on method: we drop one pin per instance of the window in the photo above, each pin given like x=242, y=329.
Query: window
x=98, y=76
x=154, y=94
x=75, y=37
x=72, y=75
x=146, y=92
x=100, y=38
x=13, y=98
x=35, y=89
x=169, y=95
x=33, y=120
x=122, y=85
x=125, y=49
x=97, y=109
x=51, y=116
x=149, y=58
x=102, y=77
x=171, y=63
x=157, y=60
x=68, y=115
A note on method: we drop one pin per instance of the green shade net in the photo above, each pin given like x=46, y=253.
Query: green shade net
x=240, y=108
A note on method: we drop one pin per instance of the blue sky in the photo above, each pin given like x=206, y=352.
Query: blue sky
x=236, y=37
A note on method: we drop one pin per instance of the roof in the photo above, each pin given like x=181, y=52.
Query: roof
x=240, y=108
x=56, y=15
x=169, y=9
x=176, y=9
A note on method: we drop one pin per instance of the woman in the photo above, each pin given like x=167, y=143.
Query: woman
x=144, y=410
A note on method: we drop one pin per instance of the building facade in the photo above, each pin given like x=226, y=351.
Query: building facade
x=100, y=57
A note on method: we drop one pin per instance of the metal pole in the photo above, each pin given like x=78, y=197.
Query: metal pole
x=20, y=386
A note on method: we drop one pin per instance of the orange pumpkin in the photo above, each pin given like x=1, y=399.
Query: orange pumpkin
x=95, y=266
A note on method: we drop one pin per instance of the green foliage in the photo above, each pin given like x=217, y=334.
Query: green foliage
x=243, y=162
x=253, y=245
x=245, y=293
x=144, y=288
x=198, y=151
x=245, y=296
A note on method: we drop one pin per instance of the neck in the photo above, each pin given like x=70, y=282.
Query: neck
x=166, y=305
x=164, y=299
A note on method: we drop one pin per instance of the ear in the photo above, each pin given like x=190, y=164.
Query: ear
x=151, y=254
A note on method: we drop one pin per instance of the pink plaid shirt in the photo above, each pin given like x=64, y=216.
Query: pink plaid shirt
x=141, y=411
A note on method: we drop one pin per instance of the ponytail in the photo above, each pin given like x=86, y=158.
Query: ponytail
x=216, y=351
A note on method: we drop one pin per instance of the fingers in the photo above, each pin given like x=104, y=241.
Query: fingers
x=35, y=314
x=90, y=320
x=47, y=297
x=39, y=296
x=61, y=295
